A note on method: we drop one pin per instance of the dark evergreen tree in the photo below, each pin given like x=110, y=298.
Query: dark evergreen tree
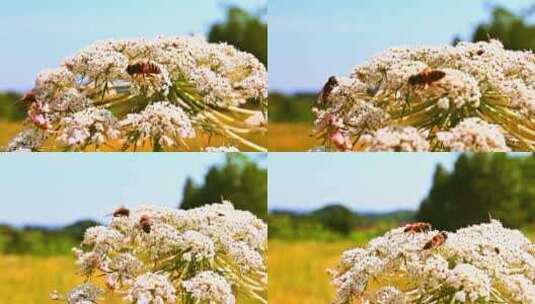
x=480, y=186
x=510, y=28
x=245, y=31
x=336, y=217
x=239, y=179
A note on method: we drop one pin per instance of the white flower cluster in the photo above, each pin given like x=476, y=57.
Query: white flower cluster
x=165, y=255
x=396, y=139
x=469, y=97
x=152, y=288
x=222, y=149
x=474, y=134
x=82, y=294
x=162, y=121
x=219, y=73
x=210, y=287
x=27, y=140
x=91, y=125
x=485, y=263
x=157, y=89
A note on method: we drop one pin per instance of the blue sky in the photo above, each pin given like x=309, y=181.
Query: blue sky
x=59, y=188
x=38, y=34
x=314, y=39
x=362, y=181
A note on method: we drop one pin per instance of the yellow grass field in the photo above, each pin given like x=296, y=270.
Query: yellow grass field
x=293, y=137
x=282, y=137
x=7, y=131
x=10, y=129
x=30, y=279
x=297, y=270
x=296, y=274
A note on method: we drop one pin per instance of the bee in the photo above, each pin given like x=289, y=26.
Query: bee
x=121, y=212
x=29, y=97
x=417, y=227
x=331, y=83
x=143, y=67
x=145, y=223
x=426, y=77
x=437, y=240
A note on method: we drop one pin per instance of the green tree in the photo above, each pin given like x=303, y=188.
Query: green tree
x=510, y=28
x=527, y=196
x=336, y=217
x=11, y=108
x=481, y=185
x=243, y=30
x=240, y=180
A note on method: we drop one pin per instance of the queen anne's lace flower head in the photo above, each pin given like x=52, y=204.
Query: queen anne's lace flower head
x=166, y=255
x=164, y=90
x=474, y=134
x=221, y=149
x=389, y=295
x=211, y=287
x=484, y=263
x=163, y=121
x=435, y=90
x=27, y=140
x=82, y=294
x=395, y=139
x=152, y=288
x=90, y=126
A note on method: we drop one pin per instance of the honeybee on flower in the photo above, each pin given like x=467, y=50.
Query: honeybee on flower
x=470, y=97
x=138, y=93
x=484, y=263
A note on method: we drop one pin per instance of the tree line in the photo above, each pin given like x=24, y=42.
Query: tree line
x=332, y=222
x=482, y=186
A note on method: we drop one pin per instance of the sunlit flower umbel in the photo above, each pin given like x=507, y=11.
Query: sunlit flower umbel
x=470, y=97
x=481, y=264
x=208, y=254
x=135, y=93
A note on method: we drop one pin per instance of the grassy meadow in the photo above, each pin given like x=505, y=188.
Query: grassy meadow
x=297, y=270
x=30, y=279
x=297, y=274
x=290, y=137
x=26, y=279
x=9, y=129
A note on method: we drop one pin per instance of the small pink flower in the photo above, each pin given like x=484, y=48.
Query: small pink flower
x=340, y=141
x=37, y=114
